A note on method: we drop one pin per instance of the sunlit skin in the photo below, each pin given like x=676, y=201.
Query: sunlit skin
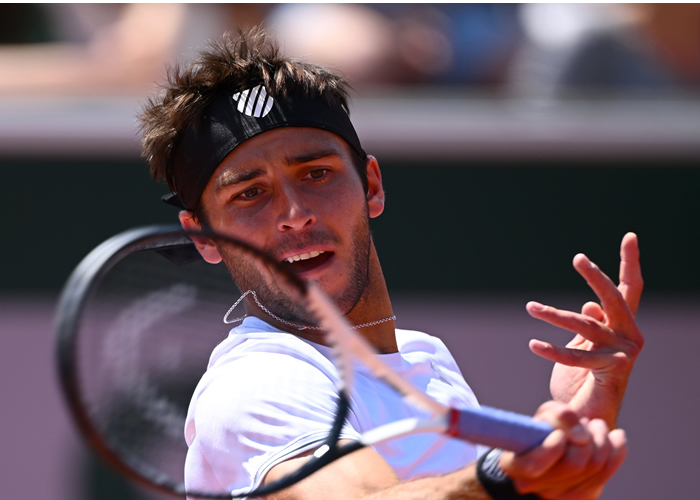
x=294, y=190
x=591, y=373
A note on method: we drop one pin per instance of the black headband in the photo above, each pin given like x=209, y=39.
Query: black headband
x=234, y=117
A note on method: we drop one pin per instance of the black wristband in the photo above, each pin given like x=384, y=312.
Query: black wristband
x=496, y=483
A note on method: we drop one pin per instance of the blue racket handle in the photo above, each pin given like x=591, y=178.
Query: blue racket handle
x=498, y=428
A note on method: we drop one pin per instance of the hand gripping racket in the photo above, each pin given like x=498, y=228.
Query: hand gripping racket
x=135, y=326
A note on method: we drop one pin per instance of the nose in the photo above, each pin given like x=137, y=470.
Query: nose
x=294, y=214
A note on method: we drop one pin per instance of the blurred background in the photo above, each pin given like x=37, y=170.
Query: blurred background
x=511, y=137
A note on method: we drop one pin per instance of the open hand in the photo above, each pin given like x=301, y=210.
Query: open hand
x=592, y=371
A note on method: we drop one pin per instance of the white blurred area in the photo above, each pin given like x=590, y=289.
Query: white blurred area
x=487, y=80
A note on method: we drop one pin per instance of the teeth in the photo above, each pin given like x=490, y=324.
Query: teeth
x=304, y=256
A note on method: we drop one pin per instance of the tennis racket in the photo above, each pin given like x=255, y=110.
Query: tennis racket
x=136, y=323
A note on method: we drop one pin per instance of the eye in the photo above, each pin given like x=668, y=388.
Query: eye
x=250, y=193
x=318, y=174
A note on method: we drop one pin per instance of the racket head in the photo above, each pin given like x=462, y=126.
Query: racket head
x=135, y=326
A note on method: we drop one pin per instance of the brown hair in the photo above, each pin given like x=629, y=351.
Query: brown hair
x=228, y=62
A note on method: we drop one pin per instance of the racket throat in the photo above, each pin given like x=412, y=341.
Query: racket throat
x=406, y=427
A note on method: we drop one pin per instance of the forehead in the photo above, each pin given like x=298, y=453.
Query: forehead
x=282, y=146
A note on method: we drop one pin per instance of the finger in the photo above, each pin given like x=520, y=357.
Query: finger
x=566, y=473
x=579, y=464
x=590, y=485
x=586, y=326
x=537, y=461
x=577, y=357
x=593, y=310
x=602, y=447
x=593, y=486
x=631, y=282
x=561, y=416
x=610, y=297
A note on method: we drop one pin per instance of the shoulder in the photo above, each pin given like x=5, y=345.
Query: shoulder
x=258, y=365
x=261, y=377
x=427, y=350
x=261, y=351
x=412, y=341
x=266, y=396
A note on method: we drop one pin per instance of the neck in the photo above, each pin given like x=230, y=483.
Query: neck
x=374, y=305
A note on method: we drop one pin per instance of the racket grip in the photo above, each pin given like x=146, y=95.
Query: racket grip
x=498, y=428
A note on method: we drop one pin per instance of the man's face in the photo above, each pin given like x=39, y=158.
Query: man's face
x=294, y=193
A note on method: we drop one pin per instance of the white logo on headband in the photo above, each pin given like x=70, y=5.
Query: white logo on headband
x=254, y=102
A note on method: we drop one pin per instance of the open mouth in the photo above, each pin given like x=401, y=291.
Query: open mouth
x=306, y=262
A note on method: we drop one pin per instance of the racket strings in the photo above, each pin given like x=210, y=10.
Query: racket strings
x=145, y=340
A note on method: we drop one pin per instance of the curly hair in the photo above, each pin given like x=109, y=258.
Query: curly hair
x=228, y=62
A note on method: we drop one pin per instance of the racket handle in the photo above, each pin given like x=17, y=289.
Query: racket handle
x=498, y=428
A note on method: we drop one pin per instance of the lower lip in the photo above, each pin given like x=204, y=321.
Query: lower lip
x=314, y=271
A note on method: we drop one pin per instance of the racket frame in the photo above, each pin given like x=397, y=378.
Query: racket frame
x=79, y=288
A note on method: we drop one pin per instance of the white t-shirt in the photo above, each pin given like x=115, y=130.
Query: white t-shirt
x=268, y=396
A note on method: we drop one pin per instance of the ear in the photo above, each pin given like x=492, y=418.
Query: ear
x=205, y=246
x=375, y=190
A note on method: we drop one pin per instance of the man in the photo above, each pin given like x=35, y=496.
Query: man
x=261, y=147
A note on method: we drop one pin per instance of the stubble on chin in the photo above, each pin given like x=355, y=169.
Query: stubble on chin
x=360, y=276
x=247, y=275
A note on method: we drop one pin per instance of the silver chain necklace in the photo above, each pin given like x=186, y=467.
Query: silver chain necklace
x=289, y=323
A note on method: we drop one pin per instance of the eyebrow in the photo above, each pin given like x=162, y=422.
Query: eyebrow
x=306, y=157
x=230, y=178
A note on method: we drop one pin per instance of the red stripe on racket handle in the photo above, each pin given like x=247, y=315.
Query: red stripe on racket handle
x=498, y=428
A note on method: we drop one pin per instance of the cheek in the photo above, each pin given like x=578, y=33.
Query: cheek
x=344, y=200
x=341, y=213
x=246, y=225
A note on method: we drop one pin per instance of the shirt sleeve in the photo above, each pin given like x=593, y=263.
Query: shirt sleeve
x=259, y=410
